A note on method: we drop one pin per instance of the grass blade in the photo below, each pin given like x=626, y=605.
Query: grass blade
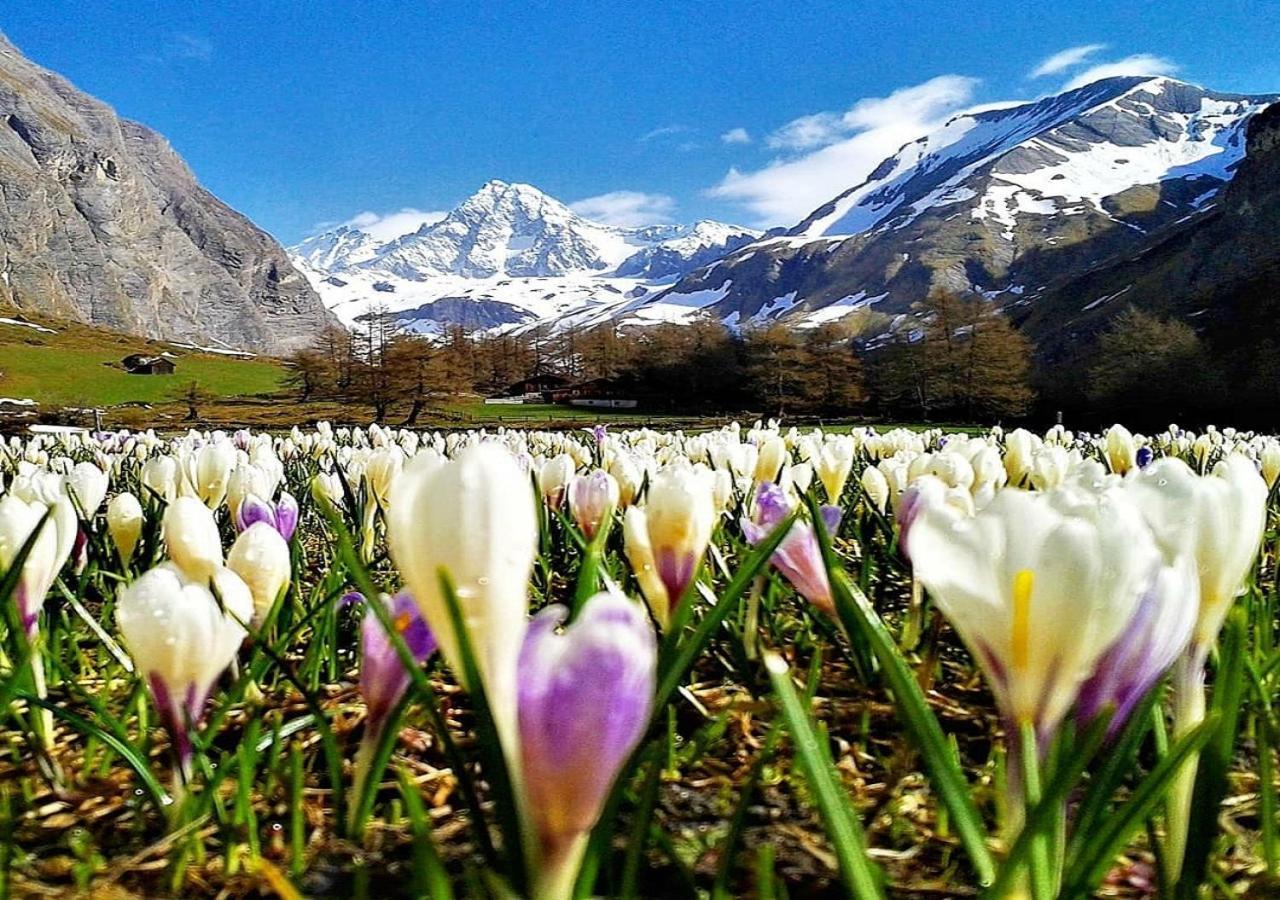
x=858, y=617
x=862, y=877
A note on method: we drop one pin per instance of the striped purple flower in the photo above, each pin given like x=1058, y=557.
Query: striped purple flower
x=798, y=557
x=585, y=697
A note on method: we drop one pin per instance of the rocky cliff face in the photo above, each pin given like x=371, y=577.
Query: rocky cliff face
x=101, y=221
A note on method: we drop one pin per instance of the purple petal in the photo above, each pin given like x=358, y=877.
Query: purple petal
x=254, y=509
x=286, y=516
x=585, y=698
x=383, y=677
x=771, y=504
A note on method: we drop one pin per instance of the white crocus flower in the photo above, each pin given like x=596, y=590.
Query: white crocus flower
x=192, y=538
x=472, y=518
x=1218, y=518
x=1121, y=449
x=260, y=556
x=1038, y=585
x=124, y=523
x=88, y=485
x=182, y=634
x=832, y=464
x=18, y=522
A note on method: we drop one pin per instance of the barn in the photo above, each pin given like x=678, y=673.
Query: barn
x=140, y=364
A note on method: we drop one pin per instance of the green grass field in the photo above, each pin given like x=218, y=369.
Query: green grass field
x=480, y=412
x=78, y=366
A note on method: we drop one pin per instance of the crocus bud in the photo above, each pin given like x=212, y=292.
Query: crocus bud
x=159, y=477
x=326, y=490
x=875, y=487
x=586, y=696
x=1270, y=461
x=554, y=478
x=801, y=476
x=192, y=538
x=260, y=556
x=124, y=522
x=772, y=455
x=18, y=522
x=383, y=678
x=212, y=470
x=592, y=500
x=87, y=484
x=473, y=519
x=181, y=637
x=629, y=477
x=832, y=465
x=286, y=515
x=677, y=522
x=281, y=516
x=245, y=479
x=798, y=557
x=1121, y=450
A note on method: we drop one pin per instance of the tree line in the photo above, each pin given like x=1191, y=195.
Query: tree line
x=958, y=359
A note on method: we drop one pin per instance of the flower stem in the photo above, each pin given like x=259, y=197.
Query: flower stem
x=1039, y=873
x=558, y=870
x=1188, y=712
x=43, y=717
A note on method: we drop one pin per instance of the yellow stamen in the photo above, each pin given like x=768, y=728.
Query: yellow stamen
x=402, y=622
x=1023, y=581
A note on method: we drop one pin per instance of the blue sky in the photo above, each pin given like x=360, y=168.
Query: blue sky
x=302, y=113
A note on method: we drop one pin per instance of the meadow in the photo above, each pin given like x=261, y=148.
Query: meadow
x=60, y=363
x=747, y=661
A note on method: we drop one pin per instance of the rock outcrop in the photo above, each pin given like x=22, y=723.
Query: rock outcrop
x=102, y=222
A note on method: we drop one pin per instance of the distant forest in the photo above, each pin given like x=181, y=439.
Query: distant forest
x=962, y=362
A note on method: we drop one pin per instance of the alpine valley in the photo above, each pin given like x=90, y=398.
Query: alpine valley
x=1062, y=211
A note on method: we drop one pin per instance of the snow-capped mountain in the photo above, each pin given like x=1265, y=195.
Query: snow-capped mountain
x=999, y=201
x=333, y=250
x=507, y=255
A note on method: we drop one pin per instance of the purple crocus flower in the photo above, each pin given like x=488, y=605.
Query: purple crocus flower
x=585, y=698
x=1144, y=457
x=599, y=432
x=281, y=515
x=592, y=500
x=798, y=557
x=383, y=678
x=1155, y=637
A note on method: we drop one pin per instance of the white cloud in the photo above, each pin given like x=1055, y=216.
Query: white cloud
x=1137, y=64
x=921, y=101
x=385, y=227
x=807, y=132
x=1065, y=59
x=736, y=136
x=626, y=209
x=664, y=131
x=842, y=149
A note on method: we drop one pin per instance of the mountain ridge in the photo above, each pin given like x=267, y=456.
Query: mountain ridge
x=983, y=203
x=520, y=255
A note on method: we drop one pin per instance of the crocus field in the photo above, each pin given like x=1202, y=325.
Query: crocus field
x=755, y=661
